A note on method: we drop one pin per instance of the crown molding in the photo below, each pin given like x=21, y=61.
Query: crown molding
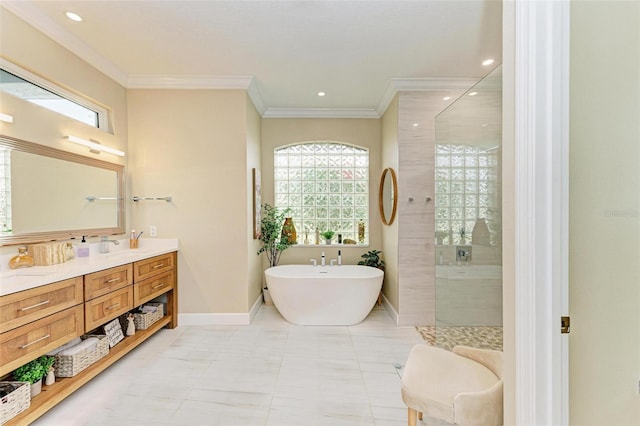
x=256, y=98
x=320, y=113
x=31, y=15
x=396, y=85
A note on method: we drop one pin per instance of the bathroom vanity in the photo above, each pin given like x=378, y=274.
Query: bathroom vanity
x=42, y=308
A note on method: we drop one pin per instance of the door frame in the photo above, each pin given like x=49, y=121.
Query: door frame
x=541, y=121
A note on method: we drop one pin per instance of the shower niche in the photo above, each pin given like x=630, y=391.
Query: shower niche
x=468, y=218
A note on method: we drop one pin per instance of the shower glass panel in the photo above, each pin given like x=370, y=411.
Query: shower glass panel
x=468, y=218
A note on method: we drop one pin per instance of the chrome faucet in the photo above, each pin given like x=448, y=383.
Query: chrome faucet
x=314, y=262
x=104, y=244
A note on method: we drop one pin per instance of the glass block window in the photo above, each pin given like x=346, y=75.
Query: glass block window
x=326, y=186
x=466, y=179
x=5, y=190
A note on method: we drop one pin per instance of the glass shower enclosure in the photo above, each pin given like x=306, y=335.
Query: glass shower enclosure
x=468, y=218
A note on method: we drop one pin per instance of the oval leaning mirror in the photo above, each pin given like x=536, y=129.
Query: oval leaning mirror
x=388, y=196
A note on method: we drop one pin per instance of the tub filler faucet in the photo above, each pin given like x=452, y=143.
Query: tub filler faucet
x=314, y=262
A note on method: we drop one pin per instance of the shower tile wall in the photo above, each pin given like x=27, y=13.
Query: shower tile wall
x=416, y=250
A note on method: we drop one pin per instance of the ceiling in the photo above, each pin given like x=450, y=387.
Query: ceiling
x=283, y=52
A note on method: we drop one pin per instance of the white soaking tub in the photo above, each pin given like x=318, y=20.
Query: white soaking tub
x=324, y=295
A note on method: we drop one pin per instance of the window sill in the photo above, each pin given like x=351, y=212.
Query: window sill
x=335, y=245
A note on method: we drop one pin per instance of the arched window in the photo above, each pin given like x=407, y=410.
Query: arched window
x=326, y=186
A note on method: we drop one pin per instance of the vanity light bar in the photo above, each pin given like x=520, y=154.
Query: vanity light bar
x=94, y=146
x=6, y=117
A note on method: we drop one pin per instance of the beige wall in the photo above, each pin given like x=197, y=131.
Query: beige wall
x=362, y=132
x=604, y=213
x=390, y=233
x=192, y=145
x=254, y=150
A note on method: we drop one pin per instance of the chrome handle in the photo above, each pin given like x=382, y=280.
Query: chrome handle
x=158, y=286
x=35, y=341
x=113, y=280
x=112, y=306
x=34, y=306
x=158, y=266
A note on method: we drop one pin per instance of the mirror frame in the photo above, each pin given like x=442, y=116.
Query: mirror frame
x=394, y=207
x=36, y=237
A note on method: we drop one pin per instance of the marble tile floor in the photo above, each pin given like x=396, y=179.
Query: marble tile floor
x=267, y=373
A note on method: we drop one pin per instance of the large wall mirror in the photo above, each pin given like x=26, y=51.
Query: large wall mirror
x=388, y=196
x=47, y=194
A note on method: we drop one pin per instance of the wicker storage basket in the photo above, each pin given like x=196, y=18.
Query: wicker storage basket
x=70, y=365
x=144, y=321
x=15, y=402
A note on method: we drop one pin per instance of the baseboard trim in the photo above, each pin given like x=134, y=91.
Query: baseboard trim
x=222, y=319
x=389, y=308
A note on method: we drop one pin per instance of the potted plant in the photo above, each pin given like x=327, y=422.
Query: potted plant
x=273, y=244
x=328, y=236
x=372, y=258
x=33, y=372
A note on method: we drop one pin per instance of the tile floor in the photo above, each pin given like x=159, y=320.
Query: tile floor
x=267, y=373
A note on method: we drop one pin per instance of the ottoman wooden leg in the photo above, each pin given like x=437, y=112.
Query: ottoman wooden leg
x=413, y=417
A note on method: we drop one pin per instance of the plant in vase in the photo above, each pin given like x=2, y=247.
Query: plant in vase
x=33, y=372
x=372, y=258
x=328, y=236
x=271, y=237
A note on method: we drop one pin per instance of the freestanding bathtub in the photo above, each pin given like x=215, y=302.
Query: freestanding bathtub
x=324, y=295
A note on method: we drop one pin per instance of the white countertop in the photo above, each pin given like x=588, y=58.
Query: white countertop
x=15, y=280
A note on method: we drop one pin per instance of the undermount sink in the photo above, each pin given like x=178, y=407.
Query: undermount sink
x=124, y=254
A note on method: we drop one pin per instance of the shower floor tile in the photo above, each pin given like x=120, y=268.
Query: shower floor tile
x=447, y=337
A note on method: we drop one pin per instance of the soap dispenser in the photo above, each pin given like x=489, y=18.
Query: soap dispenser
x=83, y=248
x=22, y=260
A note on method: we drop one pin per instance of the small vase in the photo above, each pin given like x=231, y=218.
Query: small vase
x=131, y=327
x=328, y=241
x=289, y=231
x=50, y=378
x=36, y=388
x=480, y=233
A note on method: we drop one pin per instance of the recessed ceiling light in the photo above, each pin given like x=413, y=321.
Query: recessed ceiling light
x=488, y=62
x=415, y=124
x=321, y=93
x=485, y=125
x=473, y=93
x=74, y=16
x=446, y=98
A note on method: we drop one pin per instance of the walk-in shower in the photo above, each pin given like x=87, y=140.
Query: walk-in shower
x=468, y=217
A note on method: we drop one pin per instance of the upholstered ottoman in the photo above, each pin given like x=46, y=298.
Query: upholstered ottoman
x=462, y=387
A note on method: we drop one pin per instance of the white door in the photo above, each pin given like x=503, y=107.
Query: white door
x=604, y=213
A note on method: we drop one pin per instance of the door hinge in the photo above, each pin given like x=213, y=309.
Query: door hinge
x=565, y=323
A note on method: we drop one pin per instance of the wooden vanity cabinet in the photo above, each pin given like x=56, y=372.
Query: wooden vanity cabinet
x=36, y=321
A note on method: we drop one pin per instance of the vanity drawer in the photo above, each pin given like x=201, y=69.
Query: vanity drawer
x=19, y=346
x=103, y=282
x=146, y=290
x=105, y=308
x=21, y=308
x=153, y=266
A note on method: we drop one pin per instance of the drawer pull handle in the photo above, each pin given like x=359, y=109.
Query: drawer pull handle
x=35, y=341
x=157, y=286
x=34, y=306
x=108, y=308
x=158, y=266
x=113, y=280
